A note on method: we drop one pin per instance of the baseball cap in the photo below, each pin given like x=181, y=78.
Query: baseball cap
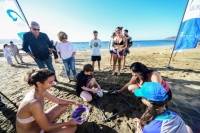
x=152, y=91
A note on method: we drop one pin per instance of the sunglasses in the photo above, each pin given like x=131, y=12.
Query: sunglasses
x=64, y=38
x=36, y=29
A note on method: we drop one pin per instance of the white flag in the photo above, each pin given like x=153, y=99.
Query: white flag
x=12, y=10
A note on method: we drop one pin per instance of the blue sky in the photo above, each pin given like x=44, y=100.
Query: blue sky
x=145, y=19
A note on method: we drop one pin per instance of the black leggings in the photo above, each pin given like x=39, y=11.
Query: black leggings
x=55, y=54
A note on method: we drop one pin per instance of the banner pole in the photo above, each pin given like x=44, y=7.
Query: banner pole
x=22, y=13
x=168, y=66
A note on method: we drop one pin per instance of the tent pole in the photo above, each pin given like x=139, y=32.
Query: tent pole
x=168, y=66
x=22, y=13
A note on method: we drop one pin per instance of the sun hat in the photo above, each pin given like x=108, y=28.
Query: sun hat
x=152, y=91
x=77, y=114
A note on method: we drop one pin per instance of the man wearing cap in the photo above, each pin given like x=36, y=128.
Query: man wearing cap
x=129, y=44
x=15, y=52
x=38, y=46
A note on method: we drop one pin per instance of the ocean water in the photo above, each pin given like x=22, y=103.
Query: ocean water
x=143, y=43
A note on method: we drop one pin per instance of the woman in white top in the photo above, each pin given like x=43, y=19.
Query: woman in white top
x=110, y=46
x=66, y=51
x=7, y=54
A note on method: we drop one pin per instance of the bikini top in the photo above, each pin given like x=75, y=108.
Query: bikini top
x=118, y=43
x=27, y=120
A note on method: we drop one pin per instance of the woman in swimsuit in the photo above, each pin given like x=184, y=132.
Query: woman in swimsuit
x=140, y=75
x=119, y=44
x=31, y=117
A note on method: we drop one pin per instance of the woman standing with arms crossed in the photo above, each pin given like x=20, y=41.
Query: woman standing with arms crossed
x=31, y=117
x=119, y=45
x=66, y=51
x=110, y=47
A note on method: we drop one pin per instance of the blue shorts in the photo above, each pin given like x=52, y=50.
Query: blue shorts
x=111, y=51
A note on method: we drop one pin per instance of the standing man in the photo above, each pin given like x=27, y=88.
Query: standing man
x=95, y=45
x=15, y=52
x=38, y=46
x=129, y=44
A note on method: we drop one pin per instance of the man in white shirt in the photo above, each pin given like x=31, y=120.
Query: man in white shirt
x=15, y=52
x=95, y=45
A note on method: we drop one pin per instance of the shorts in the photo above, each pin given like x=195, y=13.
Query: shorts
x=120, y=53
x=95, y=58
x=126, y=52
x=111, y=51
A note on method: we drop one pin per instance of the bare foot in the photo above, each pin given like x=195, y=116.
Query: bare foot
x=68, y=80
x=113, y=73
x=118, y=73
x=99, y=70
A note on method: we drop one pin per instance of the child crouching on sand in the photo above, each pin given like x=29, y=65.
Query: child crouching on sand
x=7, y=54
x=85, y=83
x=156, y=118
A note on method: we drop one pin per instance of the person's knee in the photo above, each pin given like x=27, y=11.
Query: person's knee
x=63, y=107
x=131, y=88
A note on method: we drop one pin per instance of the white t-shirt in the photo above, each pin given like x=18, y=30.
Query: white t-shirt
x=65, y=49
x=95, y=44
x=7, y=52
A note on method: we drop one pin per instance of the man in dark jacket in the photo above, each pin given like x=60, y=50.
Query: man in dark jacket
x=38, y=46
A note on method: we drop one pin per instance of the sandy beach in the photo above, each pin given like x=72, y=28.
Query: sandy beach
x=184, y=81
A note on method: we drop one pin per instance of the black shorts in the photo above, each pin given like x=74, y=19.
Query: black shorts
x=169, y=93
x=95, y=58
x=111, y=51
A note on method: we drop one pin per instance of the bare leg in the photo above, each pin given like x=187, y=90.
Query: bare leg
x=119, y=64
x=114, y=63
x=124, y=62
x=111, y=56
x=93, y=64
x=99, y=65
x=55, y=112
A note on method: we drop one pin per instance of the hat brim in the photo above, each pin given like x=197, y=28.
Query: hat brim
x=138, y=92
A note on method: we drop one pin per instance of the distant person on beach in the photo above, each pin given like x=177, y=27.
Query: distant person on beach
x=95, y=45
x=140, y=75
x=55, y=54
x=39, y=47
x=31, y=116
x=67, y=52
x=2, y=105
x=15, y=52
x=86, y=82
x=119, y=45
x=129, y=44
x=7, y=54
x=156, y=118
x=110, y=47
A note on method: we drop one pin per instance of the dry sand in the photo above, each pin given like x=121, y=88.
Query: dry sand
x=184, y=81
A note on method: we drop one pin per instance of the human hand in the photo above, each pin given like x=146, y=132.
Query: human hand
x=94, y=91
x=73, y=122
x=78, y=104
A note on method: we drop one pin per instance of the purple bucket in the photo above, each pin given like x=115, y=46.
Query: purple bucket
x=77, y=114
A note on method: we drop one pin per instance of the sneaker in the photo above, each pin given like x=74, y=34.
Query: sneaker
x=2, y=105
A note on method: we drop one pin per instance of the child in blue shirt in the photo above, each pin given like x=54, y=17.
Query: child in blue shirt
x=156, y=119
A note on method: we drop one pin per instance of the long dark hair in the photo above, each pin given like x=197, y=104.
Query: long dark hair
x=150, y=113
x=140, y=69
x=40, y=75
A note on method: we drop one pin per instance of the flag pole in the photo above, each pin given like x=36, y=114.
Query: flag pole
x=22, y=13
x=168, y=66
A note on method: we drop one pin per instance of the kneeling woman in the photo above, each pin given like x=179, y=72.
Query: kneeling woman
x=156, y=118
x=140, y=75
x=31, y=117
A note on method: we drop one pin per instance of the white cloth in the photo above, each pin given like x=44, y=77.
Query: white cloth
x=14, y=49
x=65, y=49
x=95, y=44
x=7, y=52
x=110, y=44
